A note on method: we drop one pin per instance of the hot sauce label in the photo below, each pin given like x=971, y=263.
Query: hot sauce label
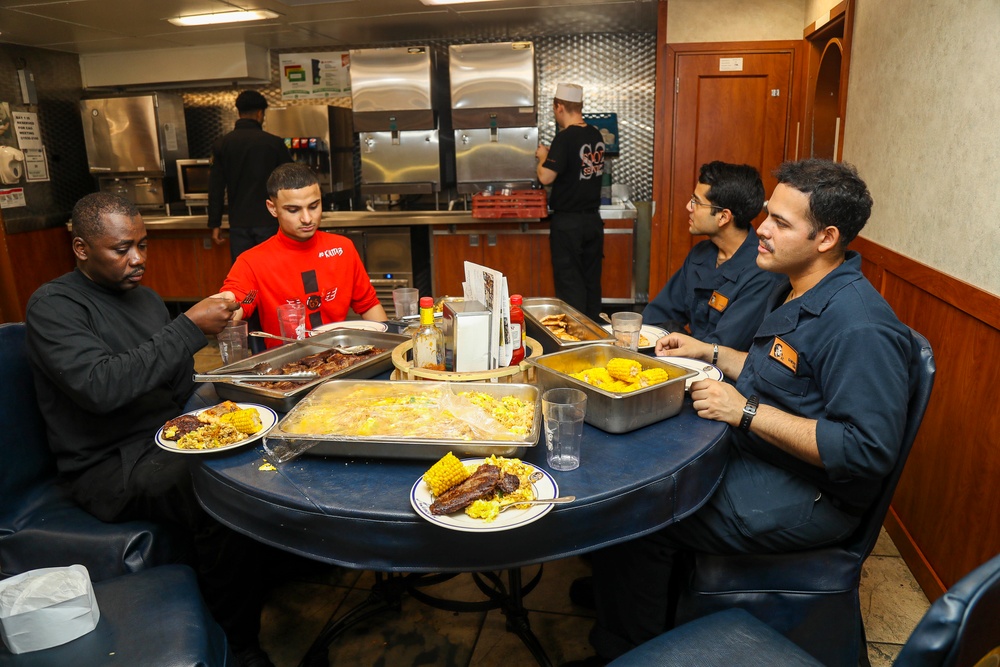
x=784, y=354
x=718, y=301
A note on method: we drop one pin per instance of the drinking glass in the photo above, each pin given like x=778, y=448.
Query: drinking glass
x=563, y=410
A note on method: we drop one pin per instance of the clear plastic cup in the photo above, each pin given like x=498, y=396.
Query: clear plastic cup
x=233, y=342
x=626, y=328
x=292, y=320
x=563, y=410
x=406, y=301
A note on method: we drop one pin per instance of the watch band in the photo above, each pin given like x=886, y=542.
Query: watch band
x=715, y=354
x=749, y=410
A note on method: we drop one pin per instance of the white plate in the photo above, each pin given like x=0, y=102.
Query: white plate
x=705, y=370
x=650, y=333
x=363, y=325
x=545, y=488
x=268, y=419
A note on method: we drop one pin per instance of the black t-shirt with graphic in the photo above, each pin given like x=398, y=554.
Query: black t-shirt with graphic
x=577, y=156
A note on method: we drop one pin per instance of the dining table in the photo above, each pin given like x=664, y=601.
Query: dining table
x=356, y=512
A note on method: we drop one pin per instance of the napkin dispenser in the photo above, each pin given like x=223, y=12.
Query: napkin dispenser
x=466, y=327
x=48, y=607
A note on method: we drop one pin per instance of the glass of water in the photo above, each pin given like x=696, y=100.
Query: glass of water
x=563, y=411
x=233, y=342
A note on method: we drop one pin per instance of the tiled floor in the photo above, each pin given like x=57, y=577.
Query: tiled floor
x=418, y=634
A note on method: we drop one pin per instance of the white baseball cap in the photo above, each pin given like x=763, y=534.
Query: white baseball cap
x=569, y=92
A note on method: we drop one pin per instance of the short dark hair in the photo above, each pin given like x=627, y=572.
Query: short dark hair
x=88, y=214
x=734, y=186
x=837, y=195
x=250, y=100
x=290, y=176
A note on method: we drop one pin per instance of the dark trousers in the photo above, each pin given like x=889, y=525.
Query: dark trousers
x=244, y=238
x=145, y=482
x=577, y=244
x=633, y=580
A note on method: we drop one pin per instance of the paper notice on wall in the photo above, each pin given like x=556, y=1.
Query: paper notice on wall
x=36, y=165
x=314, y=75
x=29, y=135
x=11, y=197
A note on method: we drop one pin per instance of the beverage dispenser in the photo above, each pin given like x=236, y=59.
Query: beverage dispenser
x=133, y=144
x=393, y=99
x=493, y=94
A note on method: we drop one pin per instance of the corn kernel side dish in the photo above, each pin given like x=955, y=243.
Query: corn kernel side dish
x=444, y=474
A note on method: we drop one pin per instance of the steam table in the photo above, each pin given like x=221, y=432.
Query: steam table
x=356, y=512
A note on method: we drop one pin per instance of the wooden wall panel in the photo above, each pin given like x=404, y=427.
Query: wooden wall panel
x=946, y=507
x=34, y=259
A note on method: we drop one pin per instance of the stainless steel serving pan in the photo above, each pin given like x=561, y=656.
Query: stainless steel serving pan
x=614, y=413
x=283, y=440
x=581, y=326
x=283, y=401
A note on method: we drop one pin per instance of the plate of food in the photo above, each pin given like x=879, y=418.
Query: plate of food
x=706, y=371
x=359, y=325
x=471, y=493
x=216, y=429
x=648, y=335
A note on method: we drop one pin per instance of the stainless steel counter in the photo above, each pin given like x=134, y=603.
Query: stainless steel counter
x=340, y=219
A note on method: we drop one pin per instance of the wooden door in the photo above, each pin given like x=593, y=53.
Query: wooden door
x=449, y=252
x=730, y=105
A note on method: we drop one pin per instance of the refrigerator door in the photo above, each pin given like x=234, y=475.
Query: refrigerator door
x=121, y=134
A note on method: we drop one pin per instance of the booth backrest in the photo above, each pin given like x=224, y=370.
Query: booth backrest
x=24, y=447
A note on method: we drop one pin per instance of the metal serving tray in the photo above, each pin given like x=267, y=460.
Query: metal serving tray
x=283, y=401
x=581, y=326
x=400, y=447
x=614, y=413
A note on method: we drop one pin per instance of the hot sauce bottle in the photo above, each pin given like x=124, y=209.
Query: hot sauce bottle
x=428, y=340
x=517, y=332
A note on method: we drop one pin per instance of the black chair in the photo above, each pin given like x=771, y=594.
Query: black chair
x=810, y=597
x=40, y=526
x=154, y=618
x=959, y=630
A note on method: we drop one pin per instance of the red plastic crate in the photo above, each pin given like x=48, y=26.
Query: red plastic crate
x=518, y=204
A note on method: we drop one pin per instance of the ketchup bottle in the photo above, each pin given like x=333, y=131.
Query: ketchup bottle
x=517, y=332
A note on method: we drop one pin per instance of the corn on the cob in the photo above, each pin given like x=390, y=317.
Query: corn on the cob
x=245, y=421
x=625, y=370
x=620, y=387
x=445, y=474
x=652, y=376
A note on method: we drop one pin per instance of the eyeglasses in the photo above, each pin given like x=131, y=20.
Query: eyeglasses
x=695, y=202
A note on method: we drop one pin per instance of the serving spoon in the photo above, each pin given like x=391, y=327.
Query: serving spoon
x=351, y=349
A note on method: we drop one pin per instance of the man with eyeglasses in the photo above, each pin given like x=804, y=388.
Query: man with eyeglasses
x=719, y=293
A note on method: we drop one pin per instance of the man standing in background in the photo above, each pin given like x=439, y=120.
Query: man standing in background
x=574, y=167
x=241, y=162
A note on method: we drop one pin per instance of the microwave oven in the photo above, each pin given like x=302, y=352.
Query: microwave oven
x=192, y=179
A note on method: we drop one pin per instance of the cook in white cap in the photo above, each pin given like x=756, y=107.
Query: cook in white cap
x=574, y=167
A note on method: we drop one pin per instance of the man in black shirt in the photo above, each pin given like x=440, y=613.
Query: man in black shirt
x=241, y=162
x=574, y=166
x=110, y=367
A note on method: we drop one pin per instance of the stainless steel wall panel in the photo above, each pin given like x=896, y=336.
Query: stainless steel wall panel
x=121, y=134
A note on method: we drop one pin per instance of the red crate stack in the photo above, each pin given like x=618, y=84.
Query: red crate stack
x=518, y=204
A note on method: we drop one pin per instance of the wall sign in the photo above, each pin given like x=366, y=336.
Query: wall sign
x=314, y=75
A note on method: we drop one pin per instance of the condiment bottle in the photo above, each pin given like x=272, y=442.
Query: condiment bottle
x=517, y=332
x=428, y=341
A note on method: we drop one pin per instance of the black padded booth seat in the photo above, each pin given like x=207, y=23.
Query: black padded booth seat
x=811, y=596
x=40, y=526
x=959, y=630
x=155, y=618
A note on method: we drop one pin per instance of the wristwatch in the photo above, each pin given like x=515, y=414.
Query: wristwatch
x=749, y=410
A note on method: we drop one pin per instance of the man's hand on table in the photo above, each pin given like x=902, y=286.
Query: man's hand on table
x=212, y=314
x=681, y=345
x=718, y=401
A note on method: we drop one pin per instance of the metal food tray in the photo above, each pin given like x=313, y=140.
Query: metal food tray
x=402, y=447
x=608, y=411
x=283, y=401
x=581, y=326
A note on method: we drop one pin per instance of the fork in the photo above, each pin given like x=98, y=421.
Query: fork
x=249, y=298
x=539, y=501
